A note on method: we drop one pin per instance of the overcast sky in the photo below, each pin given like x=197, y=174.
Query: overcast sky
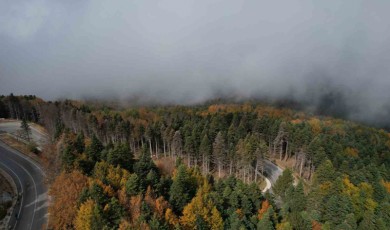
x=188, y=51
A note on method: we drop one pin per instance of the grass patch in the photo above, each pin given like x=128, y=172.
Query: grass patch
x=262, y=184
x=18, y=145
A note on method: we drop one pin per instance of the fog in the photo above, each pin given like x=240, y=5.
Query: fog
x=332, y=56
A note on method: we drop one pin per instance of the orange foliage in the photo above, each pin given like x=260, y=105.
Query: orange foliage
x=239, y=213
x=158, y=205
x=315, y=225
x=65, y=192
x=123, y=198
x=161, y=206
x=264, y=207
x=352, y=152
x=296, y=121
x=387, y=185
x=135, y=210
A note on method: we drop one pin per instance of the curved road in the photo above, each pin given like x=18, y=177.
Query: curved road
x=272, y=171
x=271, y=174
x=31, y=209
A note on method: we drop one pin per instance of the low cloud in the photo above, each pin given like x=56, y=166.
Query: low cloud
x=332, y=56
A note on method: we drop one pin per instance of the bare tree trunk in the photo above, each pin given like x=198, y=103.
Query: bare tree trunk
x=150, y=147
x=156, y=143
x=165, y=151
x=301, y=166
x=286, y=156
x=281, y=151
x=257, y=166
x=219, y=169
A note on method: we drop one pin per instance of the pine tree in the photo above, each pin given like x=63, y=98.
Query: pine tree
x=181, y=191
x=95, y=149
x=177, y=145
x=265, y=223
x=142, y=167
x=298, y=200
x=325, y=172
x=79, y=144
x=283, y=183
x=132, y=185
x=26, y=129
x=121, y=155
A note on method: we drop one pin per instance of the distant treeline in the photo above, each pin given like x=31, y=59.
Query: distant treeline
x=345, y=165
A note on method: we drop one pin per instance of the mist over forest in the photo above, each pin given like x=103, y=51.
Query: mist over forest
x=330, y=57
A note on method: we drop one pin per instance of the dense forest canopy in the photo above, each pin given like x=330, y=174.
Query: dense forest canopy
x=187, y=167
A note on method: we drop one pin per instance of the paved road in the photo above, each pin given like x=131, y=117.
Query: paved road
x=271, y=174
x=272, y=171
x=12, y=126
x=29, y=179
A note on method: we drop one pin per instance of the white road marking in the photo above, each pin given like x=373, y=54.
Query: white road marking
x=22, y=156
x=21, y=186
x=35, y=189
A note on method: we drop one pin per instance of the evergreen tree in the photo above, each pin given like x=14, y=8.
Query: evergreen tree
x=265, y=223
x=298, y=199
x=132, y=185
x=325, y=172
x=67, y=159
x=283, y=183
x=121, y=155
x=25, y=129
x=79, y=144
x=182, y=189
x=95, y=149
x=142, y=167
x=336, y=209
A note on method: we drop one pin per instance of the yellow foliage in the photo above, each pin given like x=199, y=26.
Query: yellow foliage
x=216, y=219
x=201, y=206
x=284, y=226
x=315, y=125
x=325, y=187
x=361, y=195
x=171, y=218
x=83, y=219
x=349, y=188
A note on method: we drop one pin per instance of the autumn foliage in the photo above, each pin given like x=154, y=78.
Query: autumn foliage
x=65, y=191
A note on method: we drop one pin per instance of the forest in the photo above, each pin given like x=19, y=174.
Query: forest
x=197, y=167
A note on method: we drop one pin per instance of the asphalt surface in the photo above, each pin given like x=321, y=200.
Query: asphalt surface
x=272, y=171
x=13, y=126
x=31, y=209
